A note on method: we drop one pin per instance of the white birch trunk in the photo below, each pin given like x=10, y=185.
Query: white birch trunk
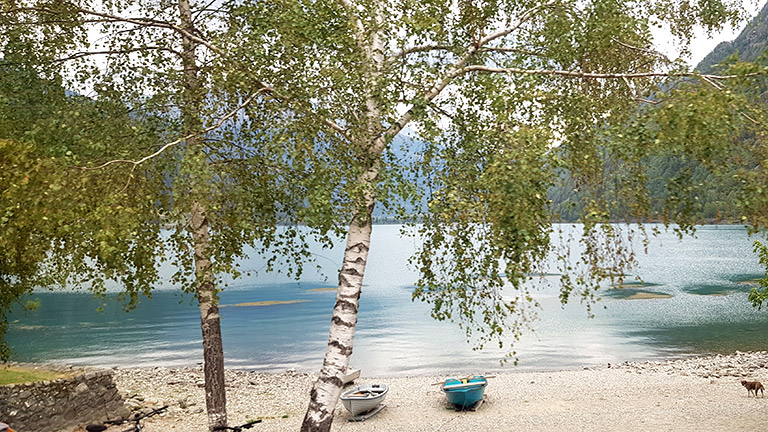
x=326, y=391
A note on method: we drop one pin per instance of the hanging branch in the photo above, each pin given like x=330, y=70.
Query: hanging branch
x=593, y=75
x=151, y=22
x=643, y=50
x=136, y=163
x=458, y=69
x=83, y=54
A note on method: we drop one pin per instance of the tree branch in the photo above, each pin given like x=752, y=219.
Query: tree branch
x=165, y=147
x=140, y=21
x=107, y=52
x=592, y=75
x=60, y=21
x=437, y=47
x=458, y=69
x=512, y=50
x=164, y=24
x=151, y=22
x=522, y=20
x=648, y=101
x=719, y=87
x=712, y=83
x=205, y=9
x=644, y=50
x=416, y=49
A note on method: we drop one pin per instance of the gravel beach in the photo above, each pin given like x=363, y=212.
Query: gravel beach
x=694, y=394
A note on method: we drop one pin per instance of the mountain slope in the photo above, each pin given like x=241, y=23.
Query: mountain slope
x=750, y=44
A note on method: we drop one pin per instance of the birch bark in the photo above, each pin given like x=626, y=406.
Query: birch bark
x=210, y=322
x=326, y=391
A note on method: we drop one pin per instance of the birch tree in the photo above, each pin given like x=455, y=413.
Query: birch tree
x=504, y=95
x=492, y=88
x=37, y=120
x=193, y=165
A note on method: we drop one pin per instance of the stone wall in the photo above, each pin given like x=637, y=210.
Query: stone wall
x=62, y=404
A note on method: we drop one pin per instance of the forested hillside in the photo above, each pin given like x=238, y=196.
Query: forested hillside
x=750, y=44
x=715, y=196
x=670, y=176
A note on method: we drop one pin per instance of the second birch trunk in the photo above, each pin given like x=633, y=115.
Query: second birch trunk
x=326, y=391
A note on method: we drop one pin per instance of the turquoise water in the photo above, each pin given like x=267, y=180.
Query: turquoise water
x=707, y=312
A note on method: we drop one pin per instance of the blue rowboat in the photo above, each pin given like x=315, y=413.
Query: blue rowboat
x=465, y=392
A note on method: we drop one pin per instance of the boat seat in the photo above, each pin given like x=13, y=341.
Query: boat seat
x=370, y=393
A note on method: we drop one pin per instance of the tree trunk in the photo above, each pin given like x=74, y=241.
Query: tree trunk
x=210, y=322
x=326, y=391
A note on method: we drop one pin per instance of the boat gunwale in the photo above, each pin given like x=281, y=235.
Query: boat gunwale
x=358, y=405
x=475, y=382
x=380, y=389
x=465, y=394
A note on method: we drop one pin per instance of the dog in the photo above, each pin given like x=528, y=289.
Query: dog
x=754, y=386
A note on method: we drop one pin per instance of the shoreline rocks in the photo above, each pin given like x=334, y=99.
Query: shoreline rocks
x=636, y=392
x=85, y=396
x=670, y=395
x=739, y=364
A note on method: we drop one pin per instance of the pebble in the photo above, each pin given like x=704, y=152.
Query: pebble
x=281, y=399
x=739, y=364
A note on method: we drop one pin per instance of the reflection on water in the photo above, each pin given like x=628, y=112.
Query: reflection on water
x=707, y=312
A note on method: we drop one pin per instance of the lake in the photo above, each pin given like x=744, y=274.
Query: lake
x=708, y=312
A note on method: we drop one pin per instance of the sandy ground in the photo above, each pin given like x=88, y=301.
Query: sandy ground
x=601, y=399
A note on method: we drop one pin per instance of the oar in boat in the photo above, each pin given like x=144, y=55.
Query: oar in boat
x=462, y=379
